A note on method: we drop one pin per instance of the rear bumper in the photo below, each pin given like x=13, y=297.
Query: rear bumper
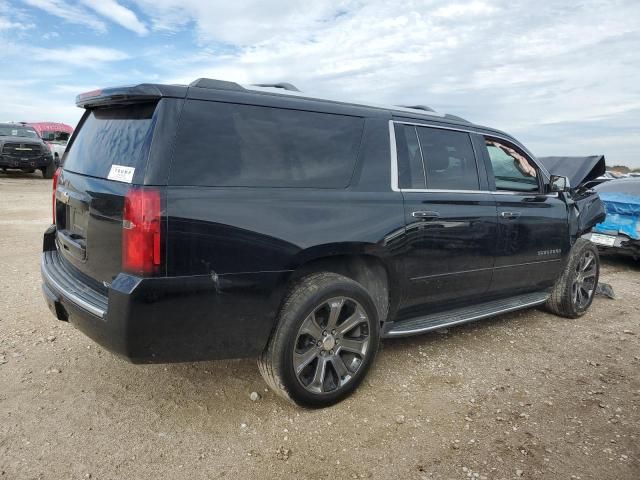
x=168, y=319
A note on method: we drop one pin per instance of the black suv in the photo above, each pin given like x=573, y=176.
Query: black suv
x=21, y=148
x=214, y=220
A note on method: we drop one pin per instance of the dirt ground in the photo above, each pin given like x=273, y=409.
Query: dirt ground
x=525, y=395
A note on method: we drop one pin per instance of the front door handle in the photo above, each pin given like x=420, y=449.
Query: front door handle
x=510, y=215
x=426, y=214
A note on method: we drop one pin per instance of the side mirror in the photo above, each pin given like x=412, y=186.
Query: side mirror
x=558, y=183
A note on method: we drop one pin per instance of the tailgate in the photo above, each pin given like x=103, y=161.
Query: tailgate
x=107, y=156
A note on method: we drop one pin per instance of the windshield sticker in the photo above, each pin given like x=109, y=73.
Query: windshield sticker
x=121, y=174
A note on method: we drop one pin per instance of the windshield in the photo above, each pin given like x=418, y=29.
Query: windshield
x=17, y=131
x=55, y=136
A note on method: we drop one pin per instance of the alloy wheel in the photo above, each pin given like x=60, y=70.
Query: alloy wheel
x=331, y=345
x=584, y=283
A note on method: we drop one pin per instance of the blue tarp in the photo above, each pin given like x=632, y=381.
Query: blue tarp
x=623, y=214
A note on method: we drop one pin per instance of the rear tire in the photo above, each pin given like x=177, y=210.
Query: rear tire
x=326, y=339
x=573, y=292
x=48, y=171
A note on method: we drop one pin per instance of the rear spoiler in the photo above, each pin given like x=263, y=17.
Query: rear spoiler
x=120, y=95
x=148, y=92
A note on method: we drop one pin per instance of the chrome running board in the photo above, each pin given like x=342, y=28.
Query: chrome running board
x=417, y=325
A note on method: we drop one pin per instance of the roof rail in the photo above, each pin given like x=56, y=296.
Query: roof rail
x=218, y=84
x=418, y=107
x=283, y=85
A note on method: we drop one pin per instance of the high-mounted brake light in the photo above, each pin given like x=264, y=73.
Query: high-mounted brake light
x=53, y=196
x=141, y=230
x=91, y=94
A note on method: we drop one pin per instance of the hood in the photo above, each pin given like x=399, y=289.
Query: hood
x=579, y=170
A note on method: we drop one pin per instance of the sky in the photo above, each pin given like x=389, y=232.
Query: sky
x=561, y=76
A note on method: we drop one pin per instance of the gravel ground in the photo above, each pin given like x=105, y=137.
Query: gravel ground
x=525, y=395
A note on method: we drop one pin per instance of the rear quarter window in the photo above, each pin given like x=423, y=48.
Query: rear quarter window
x=224, y=144
x=112, y=136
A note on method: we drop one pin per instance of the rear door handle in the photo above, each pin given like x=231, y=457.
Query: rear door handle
x=426, y=214
x=510, y=214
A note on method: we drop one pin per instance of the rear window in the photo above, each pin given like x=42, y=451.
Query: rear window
x=112, y=136
x=222, y=144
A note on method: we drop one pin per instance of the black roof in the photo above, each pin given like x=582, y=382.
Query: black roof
x=283, y=89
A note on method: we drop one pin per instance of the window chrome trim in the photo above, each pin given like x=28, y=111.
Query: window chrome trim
x=394, y=162
x=394, y=157
x=441, y=190
x=424, y=166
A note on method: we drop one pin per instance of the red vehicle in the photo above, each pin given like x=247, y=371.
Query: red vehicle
x=56, y=135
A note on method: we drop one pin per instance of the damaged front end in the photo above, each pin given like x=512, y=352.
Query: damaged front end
x=620, y=230
x=584, y=205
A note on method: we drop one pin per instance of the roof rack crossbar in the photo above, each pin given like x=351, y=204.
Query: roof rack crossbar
x=283, y=85
x=418, y=107
x=456, y=117
x=213, y=83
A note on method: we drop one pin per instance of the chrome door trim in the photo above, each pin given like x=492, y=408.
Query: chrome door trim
x=394, y=161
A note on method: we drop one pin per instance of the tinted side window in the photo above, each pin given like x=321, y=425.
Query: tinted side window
x=223, y=144
x=410, y=166
x=112, y=136
x=511, y=169
x=449, y=159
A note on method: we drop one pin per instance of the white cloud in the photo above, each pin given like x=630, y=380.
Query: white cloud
x=119, y=14
x=20, y=104
x=6, y=24
x=69, y=13
x=13, y=19
x=79, y=55
x=242, y=22
x=455, y=10
x=563, y=77
x=519, y=66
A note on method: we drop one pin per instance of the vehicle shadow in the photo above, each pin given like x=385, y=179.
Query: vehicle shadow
x=619, y=262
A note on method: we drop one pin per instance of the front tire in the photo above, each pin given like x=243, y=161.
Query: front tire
x=326, y=339
x=573, y=293
x=48, y=171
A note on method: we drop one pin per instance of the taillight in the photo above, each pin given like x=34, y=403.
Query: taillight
x=55, y=186
x=141, y=231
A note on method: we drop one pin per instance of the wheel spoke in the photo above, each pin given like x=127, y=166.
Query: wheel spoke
x=301, y=360
x=318, y=377
x=336, y=307
x=311, y=327
x=587, y=262
x=580, y=296
x=350, y=323
x=340, y=367
x=354, y=345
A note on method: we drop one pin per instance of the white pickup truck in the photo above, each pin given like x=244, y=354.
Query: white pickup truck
x=55, y=136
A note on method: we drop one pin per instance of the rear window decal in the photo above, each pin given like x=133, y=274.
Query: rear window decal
x=120, y=173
